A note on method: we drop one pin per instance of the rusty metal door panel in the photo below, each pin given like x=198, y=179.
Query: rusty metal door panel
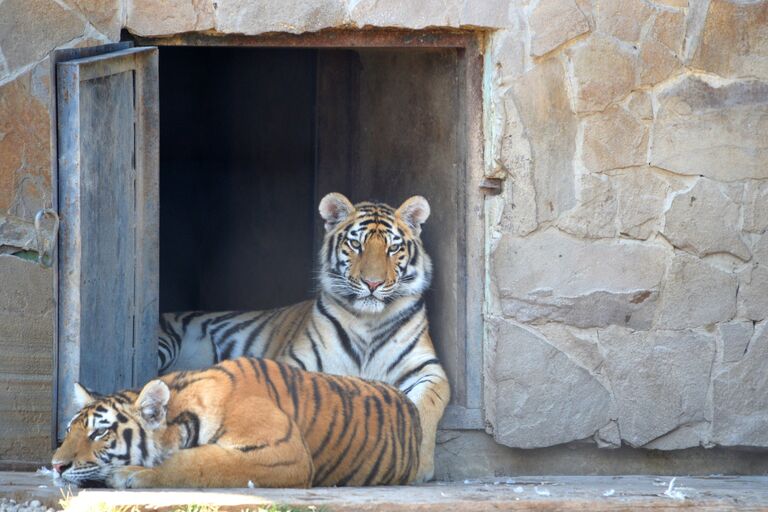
x=107, y=111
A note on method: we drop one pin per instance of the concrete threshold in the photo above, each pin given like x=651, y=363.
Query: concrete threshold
x=539, y=493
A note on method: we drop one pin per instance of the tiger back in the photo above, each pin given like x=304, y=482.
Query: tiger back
x=243, y=420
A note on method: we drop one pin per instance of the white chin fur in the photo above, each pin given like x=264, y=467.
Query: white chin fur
x=369, y=305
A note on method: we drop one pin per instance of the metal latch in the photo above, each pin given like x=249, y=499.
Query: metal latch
x=46, y=229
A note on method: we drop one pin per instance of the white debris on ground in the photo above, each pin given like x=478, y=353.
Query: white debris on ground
x=519, y=489
x=673, y=493
x=541, y=491
x=9, y=505
x=609, y=492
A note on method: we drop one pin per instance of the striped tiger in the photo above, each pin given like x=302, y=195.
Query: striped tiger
x=367, y=320
x=243, y=420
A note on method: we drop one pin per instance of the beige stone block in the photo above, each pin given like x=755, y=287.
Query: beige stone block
x=753, y=283
x=696, y=294
x=24, y=142
x=392, y=13
x=640, y=105
x=735, y=337
x=29, y=29
x=485, y=13
x=734, y=42
x=622, y=19
x=706, y=220
x=756, y=206
x=162, y=17
x=105, y=15
x=740, y=397
x=659, y=381
x=545, y=111
x=594, y=215
x=614, y=139
x=641, y=196
x=712, y=129
x=678, y=4
x=554, y=22
x=603, y=73
x=661, y=48
x=542, y=397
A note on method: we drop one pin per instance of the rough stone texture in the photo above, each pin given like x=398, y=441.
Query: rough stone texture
x=622, y=19
x=714, y=131
x=26, y=334
x=640, y=197
x=696, y=294
x=105, y=15
x=734, y=42
x=740, y=396
x=554, y=22
x=542, y=396
x=545, y=111
x=640, y=104
x=551, y=276
x=16, y=234
x=661, y=48
x=705, y=220
x=735, y=337
x=753, y=284
x=24, y=143
x=659, y=380
x=603, y=72
x=614, y=139
x=295, y=16
x=595, y=214
x=755, y=209
x=162, y=17
x=29, y=29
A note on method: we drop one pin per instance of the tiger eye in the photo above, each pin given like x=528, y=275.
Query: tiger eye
x=354, y=244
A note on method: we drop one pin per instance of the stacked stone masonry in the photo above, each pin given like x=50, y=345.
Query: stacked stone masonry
x=627, y=277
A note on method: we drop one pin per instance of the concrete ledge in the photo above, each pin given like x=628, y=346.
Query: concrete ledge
x=517, y=493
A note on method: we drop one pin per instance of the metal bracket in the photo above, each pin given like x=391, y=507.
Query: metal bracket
x=492, y=186
x=46, y=238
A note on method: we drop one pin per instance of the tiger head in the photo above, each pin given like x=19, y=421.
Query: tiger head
x=372, y=254
x=112, y=431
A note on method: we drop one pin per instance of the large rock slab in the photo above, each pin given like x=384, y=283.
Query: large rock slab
x=659, y=381
x=29, y=29
x=641, y=196
x=25, y=148
x=554, y=22
x=541, y=397
x=755, y=209
x=614, y=139
x=622, y=19
x=552, y=276
x=541, y=98
x=753, y=284
x=603, y=72
x=734, y=42
x=105, y=15
x=661, y=48
x=706, y=220
x=594, y=216
x=735, y=337
x=400, y=13
x=696, y=294
x=162, y=17
x=740, y=396
x=295, y=16
x=715, y=131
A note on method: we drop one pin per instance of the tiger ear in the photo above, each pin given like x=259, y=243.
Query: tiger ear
x=152, y=402
x=414, y=211
x=334, y=208
x=82, y=396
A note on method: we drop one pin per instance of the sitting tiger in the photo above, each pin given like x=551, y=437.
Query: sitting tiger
x=368, y=319
x=243, y=420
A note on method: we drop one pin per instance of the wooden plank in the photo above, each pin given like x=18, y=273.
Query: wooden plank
x=108, y=187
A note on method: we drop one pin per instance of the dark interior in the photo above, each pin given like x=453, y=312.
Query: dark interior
x=252, y=138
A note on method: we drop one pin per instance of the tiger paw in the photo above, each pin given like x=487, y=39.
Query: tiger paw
x=131, y=477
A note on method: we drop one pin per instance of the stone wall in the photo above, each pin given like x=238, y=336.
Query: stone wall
x=627, y=285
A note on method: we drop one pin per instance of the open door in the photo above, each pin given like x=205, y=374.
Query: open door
x=107, y=185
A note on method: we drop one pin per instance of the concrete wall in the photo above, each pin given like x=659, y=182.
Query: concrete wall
x=627, y=288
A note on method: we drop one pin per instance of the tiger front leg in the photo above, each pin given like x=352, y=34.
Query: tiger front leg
x=430, y=393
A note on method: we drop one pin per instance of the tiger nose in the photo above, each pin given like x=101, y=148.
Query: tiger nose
x=372, y=285
x=62, y=467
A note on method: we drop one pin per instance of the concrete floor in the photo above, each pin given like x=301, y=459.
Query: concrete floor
x=588, y=493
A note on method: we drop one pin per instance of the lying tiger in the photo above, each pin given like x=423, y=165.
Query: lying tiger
x=243, y=420
x=368, y=319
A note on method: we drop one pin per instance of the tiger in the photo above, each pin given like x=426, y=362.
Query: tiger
x=368, y=318
x=242, y=420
